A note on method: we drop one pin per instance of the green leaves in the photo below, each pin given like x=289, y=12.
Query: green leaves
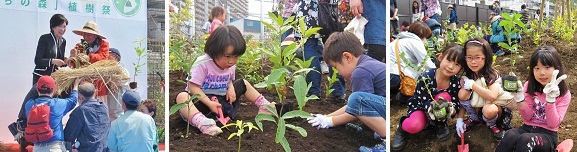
x=240, y=130
x=140, y=52
x=261, y=117
x=296, y=113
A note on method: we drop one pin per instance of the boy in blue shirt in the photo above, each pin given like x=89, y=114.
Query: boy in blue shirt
x=58, y=108
x=368, y=83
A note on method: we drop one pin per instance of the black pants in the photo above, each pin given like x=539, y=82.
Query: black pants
x=376, y=51
x=32, y=94
x=227, y=108
x=527, y=138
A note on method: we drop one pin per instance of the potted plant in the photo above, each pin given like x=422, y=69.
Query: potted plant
x=140, y=53
x=512, y=25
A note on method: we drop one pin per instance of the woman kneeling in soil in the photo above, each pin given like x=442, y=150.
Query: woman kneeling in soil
x=436, y=85
x=542, y=102
x=368, y=82
x=213, y=78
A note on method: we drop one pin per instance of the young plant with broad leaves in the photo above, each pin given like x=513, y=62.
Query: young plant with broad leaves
x=300, y=88
x=512, y=26
x=140, y=53
x=286, y=69
x=176, y=108
x=240, y=130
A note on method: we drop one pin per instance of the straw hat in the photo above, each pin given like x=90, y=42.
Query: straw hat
x=450, y=6
x=89, y=27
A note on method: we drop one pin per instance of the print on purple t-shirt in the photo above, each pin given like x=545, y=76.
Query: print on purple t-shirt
x=210, y=78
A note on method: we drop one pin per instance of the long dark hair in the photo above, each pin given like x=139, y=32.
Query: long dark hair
x=488, y=72
x=415, y=10
x=548, y=56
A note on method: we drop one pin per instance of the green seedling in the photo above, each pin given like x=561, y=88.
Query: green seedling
x=240, y=126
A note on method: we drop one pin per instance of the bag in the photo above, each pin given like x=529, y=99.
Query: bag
x=345, y=13
x=408, y=84
x=328, y=18
x=38, y=129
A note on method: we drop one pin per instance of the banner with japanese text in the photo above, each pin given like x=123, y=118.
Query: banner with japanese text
x=22, y=22
x=117, y=9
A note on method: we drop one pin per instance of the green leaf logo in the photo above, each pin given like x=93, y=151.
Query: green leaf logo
x=127, y=7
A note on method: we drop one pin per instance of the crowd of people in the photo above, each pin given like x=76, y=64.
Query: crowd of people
x=474, y=91
x=99, y=119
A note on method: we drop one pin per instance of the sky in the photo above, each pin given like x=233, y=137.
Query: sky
x=254, y=7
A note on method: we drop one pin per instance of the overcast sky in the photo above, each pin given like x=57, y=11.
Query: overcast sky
x=254, y=7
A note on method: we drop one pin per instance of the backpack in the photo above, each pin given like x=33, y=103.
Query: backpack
x=38, y=129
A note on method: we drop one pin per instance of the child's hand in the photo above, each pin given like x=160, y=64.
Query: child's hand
x=213, y=106
x=552, y=88
x=467, y=83
x=460, y=126
x=430, y=111
x=321, y=121
x=230, y=95
x=520, y=95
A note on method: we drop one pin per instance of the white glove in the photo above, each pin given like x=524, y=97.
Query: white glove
x=520, y=95
x=551, y=90
x=452, y=110
x=468, y=83
x=321, y=121
x=430, y=111
x=460, y=126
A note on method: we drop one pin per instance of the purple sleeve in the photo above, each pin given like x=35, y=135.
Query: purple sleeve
x=362, y=81
x=555, y=112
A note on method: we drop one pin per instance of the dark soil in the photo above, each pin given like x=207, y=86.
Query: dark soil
x=338, y=138
x=480, y=138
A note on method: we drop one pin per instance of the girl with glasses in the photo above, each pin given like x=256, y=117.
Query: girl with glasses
x=481, y=93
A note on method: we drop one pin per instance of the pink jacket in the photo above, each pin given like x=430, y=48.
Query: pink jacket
x=542, y=114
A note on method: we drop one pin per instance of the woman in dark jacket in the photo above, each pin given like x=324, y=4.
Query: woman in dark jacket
x=50, y=50
x=49, y=57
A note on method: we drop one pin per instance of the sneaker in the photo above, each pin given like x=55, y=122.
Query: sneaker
x=209, y=127
x=324, y=67
x=470, y=123
x=499, y=53
x=497, y=133
x=380, y=147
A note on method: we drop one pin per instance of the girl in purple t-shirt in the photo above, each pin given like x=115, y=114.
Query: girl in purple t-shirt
x=212, y=76
x=542, y=104
x=218, y=15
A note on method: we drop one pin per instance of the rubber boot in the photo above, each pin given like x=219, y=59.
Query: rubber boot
x=400, y=136
x=442, y=130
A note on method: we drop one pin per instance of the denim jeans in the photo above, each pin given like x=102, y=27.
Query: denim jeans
x=436, y=17
x=55, y=146
x=366, y=104
x=374, y=11
x=395, y=81
x=314, y=49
